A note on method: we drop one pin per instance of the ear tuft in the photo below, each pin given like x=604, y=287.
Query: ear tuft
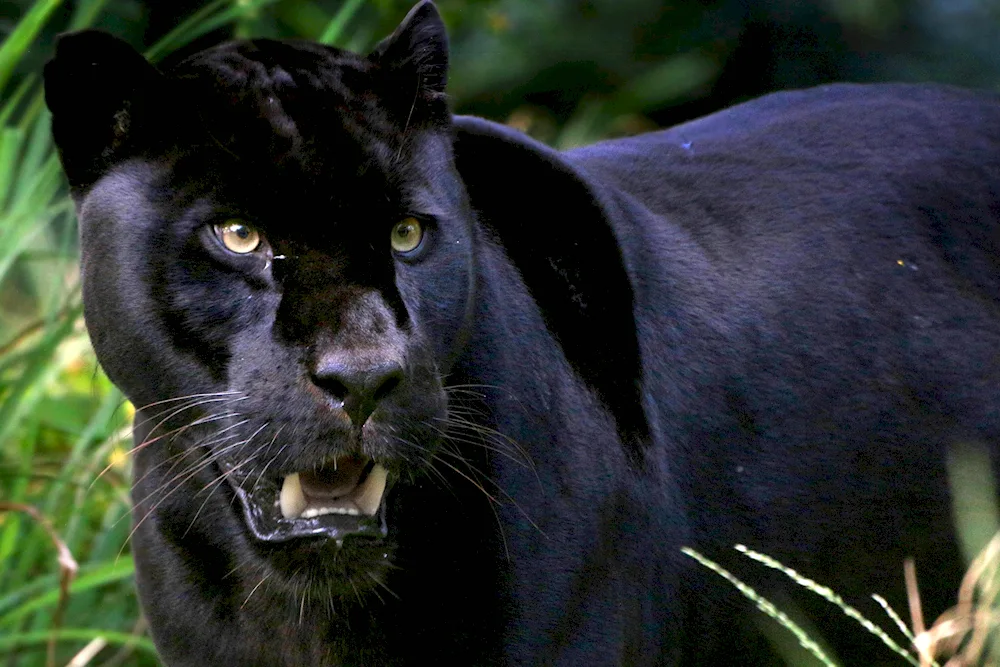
x=417, y=52
x=98, y=88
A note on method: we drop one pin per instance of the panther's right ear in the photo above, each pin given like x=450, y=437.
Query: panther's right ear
x=413, y=64
x=102, y=93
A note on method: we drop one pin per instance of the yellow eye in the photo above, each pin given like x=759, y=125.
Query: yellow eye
x=238, y=236
x=406, y=235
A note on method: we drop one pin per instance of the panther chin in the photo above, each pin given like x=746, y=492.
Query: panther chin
x=343, y=496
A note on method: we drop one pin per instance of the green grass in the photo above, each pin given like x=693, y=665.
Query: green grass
x=967, y=634
x=59, y=418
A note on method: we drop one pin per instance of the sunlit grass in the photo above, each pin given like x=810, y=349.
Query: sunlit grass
x=963, y=636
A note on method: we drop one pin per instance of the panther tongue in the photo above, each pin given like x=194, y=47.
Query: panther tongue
x=333, y=481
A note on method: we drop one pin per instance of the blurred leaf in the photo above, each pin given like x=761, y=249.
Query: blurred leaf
x=17, y=44
x=334, y=29
x=669, y=81
x=974, y=496
x=213, y=15
x=102, y=574
x=78, y=635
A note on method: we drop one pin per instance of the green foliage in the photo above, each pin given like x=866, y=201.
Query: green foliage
x=810, y=643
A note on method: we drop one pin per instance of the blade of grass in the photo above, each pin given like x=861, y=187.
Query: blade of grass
x=11, y=140
x=67, y=569
x=15, y=98
x=39, y=146
x=19, y=41
x=827, y=594
x=23, y=394
x=203, y=21
x=17, y=491
x=331, y=34
x=231, y=15
x=107, y=573
x=180, y=35
x=765, y=606
x=85, y=13
x=73, y=463
x=78, y=635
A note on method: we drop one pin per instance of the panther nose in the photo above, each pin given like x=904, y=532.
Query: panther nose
x=359, y=387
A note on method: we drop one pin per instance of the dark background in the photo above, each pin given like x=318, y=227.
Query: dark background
x=573, y=70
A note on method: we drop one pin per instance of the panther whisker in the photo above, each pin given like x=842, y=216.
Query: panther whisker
x=181, y=454
x=259, y=584
x=519, y=455
x=149, y=441
x=469, y=387
x=217, y=482
x=216, y=438
x=357, y=593
x=179, y=410
x=177, y=482
x=184, y=398
x=202, y=459
x=445, y=450
x=273, y=458
x=382, y=584
x=259, y=449
x=200, y=421
x=492, y=505
x=194, y=401
x=302, y=606
x=429, y=463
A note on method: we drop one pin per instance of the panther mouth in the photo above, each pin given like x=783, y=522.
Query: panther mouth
x=352, y=486
x=344, y=496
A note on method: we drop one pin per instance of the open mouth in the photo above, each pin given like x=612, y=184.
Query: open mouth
x=344, y=496
x=352, y=485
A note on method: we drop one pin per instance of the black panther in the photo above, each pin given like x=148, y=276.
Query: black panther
x=412, y=386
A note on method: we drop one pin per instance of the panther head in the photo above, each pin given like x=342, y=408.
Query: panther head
x=277, y=268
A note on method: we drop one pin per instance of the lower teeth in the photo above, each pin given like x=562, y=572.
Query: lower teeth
x=320, y=511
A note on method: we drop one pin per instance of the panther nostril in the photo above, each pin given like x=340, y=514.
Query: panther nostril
x=331, y=385
x=359, y=389
x=390, y=382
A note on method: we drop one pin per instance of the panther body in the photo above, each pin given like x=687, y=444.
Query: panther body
x=414, y=386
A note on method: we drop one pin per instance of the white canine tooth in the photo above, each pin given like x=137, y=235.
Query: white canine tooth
x=292, y=500
x=369, y=496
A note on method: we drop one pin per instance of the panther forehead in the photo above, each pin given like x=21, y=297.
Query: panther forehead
x=291, y=104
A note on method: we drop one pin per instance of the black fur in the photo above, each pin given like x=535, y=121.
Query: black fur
x=769, y=326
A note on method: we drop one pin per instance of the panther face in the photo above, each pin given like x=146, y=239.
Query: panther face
x=278, y=272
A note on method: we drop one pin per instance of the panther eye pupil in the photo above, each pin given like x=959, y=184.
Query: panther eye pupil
x=406, y=235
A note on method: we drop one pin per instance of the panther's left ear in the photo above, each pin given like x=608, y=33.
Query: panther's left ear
x=414, y=61
x=106, y=101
